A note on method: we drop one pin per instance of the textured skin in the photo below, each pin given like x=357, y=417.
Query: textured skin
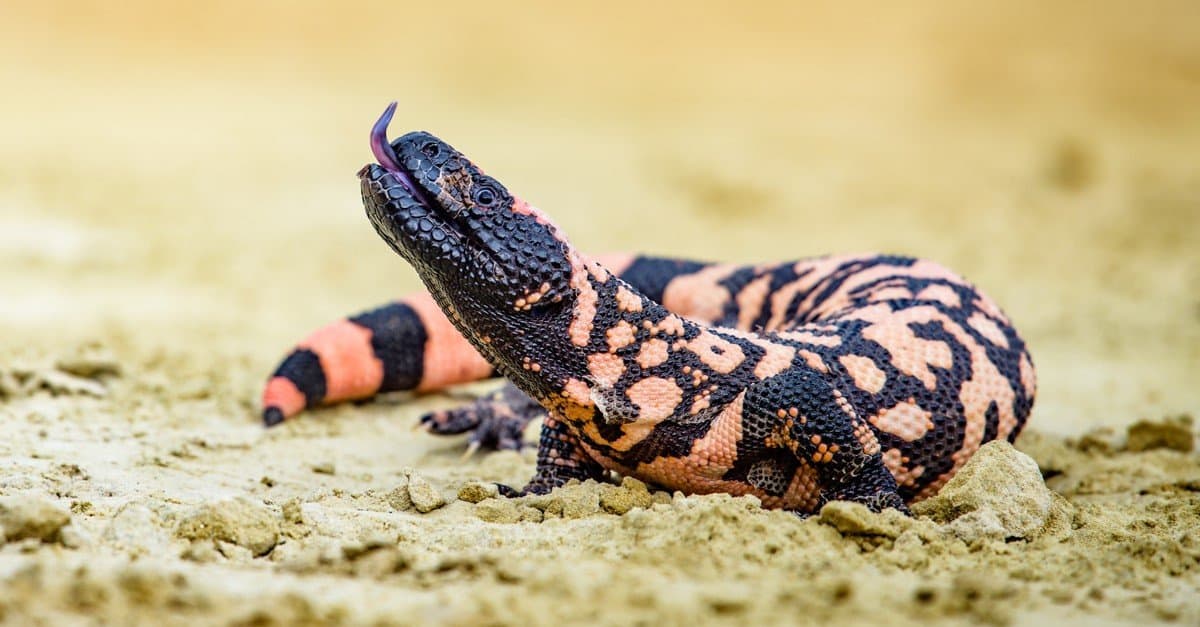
x=869, y=378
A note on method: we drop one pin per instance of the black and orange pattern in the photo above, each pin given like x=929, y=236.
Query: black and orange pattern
x=869, y=378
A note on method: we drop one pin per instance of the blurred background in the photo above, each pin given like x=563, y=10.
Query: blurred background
x=178, y=179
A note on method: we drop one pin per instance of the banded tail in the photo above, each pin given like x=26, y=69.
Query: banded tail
x=409, y=345
x=405, y=345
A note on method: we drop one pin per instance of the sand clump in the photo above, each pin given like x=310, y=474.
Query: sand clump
x=477, y=491
x=572, y=501
x=998, y=494
x=238, y=521
x=31, y=518
x=1176, y=433
x=423, y=496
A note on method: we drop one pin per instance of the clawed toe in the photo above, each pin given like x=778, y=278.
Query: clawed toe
x=496, y=421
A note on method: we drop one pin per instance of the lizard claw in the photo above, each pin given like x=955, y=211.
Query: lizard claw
x=495, y=421
x=471, y=448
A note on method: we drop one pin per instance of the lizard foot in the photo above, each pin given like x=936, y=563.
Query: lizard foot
x=495, y=421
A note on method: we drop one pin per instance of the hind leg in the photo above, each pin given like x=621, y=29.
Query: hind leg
x=800, y=411
x=496, y=420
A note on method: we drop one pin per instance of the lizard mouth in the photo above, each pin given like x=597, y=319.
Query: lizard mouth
x=386, y=155
x=433, y=223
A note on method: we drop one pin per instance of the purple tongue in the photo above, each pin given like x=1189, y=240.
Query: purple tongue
x=379, y=141
x=386, y=155
x=383, y=149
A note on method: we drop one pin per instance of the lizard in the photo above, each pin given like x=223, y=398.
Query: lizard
x=870, y=378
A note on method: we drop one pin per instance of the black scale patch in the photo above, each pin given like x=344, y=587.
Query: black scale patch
x=398, y=340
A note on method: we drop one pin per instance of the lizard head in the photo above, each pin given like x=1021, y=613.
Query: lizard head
x=502, y=272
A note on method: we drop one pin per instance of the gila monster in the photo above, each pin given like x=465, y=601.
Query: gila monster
x=868, y=378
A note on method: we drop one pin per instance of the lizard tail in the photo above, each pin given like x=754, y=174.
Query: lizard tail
x=405, y=345
x=410, y=345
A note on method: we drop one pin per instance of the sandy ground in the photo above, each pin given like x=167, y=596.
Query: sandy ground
x=178, y=205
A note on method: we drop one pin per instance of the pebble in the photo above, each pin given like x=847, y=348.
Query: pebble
x=998, y=494
x=423, y=495
x=29, y=517
x=238, y=520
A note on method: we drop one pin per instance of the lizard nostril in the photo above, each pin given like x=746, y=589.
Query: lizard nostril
x=431, y=150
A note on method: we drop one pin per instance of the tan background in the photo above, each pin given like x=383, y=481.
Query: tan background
x=184, y=173
x=206, y=152
x=177, y=186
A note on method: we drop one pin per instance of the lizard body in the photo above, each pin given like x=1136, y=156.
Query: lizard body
x=870, y=378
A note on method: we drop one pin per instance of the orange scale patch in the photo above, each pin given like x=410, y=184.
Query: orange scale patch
x=896, y=464
x=803, y=493
x=890, y=293
x=652, y=353
x=866, y=437
x=605, y=368
x=813, y=360
x=627, y=300
x=700, y=295
x=910, y=354
x=620, y=335
x=282, y=393
x=906, y=420
x=941, y=293
x=351, y=368
x=750, y=300
x=656, y=398
x=716, y=352
x=586, y=301
x=670, y=325
x=988, y=329
x=776, y=358
x=867, y=376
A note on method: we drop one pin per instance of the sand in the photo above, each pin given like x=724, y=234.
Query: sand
x=178, y=205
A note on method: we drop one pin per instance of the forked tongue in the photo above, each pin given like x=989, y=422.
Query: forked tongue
x=385, y=155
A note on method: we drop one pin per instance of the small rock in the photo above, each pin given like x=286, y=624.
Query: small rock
x=1170, y=433
x=629, y=495
x=398, y=497
x=292, y=512
x=498, y=511
x=573, y=500
x=978, y=525
x=476, y=491
x=202, y=551
x=233, y=552
x=74, y=538
x=855, y=519
x=424, y=497
x=24, y=517
x=90, y=361
x=1000, y=493
x=9, y=386
x=238, y=520
x=62, y=384
x=324, y=468
x=1102, y=440
x=531, y=514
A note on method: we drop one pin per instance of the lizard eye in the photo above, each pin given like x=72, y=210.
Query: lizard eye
x=484, y=197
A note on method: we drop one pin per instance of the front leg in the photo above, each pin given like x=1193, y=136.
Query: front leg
x=497, y=420
x=560, y=459
x=801, y=411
